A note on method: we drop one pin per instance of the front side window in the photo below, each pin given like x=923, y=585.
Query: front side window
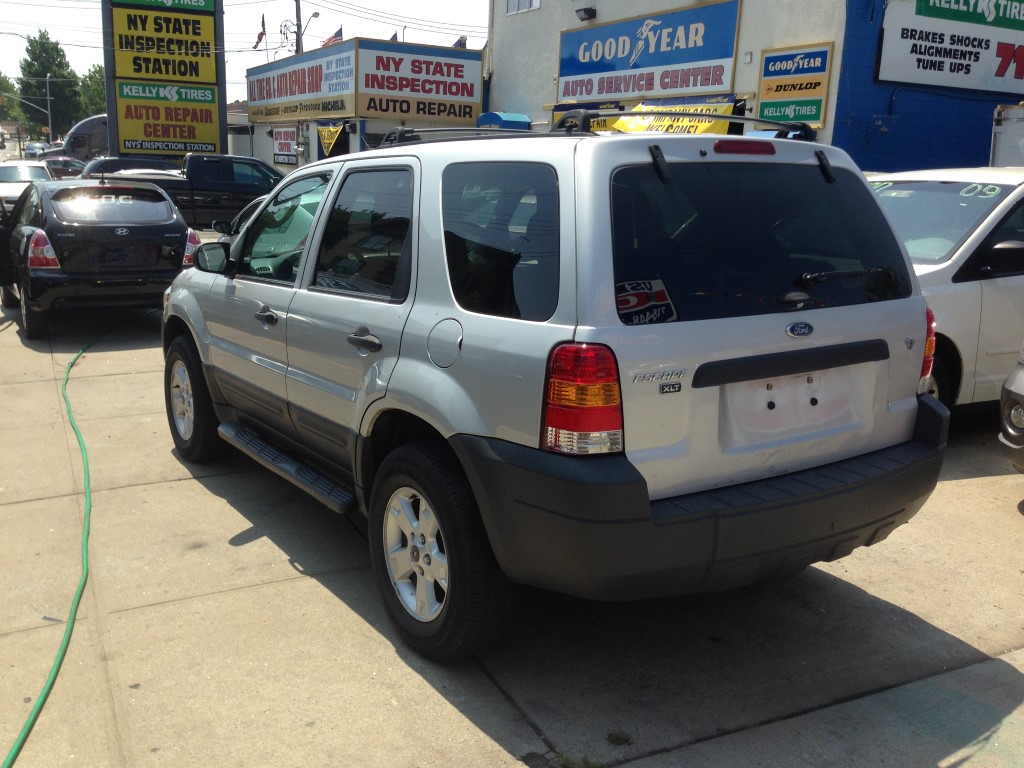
x=274, y=241
x=366, y=247
x=735, y=239
x=501, y=238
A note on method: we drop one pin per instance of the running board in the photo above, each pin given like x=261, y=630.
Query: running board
x=252, y=444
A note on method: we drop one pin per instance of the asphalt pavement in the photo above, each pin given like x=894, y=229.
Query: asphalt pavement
x=229, y=620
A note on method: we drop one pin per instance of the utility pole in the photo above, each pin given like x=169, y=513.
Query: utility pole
x=298, y=28
x=49, y=113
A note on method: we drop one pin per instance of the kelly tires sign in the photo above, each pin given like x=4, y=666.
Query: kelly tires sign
x=794, y=84
x=975, y=44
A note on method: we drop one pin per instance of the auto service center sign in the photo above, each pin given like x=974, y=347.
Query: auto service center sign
x=686, y=52
x=976, y=44
x=165, y=63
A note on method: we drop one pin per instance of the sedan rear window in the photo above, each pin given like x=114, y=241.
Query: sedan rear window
x=734, y=239
x=19, y=172
x=111, y=205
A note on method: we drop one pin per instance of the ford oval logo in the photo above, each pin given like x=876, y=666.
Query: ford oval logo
x=121, y=231
x=799, y=330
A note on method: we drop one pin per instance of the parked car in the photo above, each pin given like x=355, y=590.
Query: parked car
x=229, y=229
x=76, y=242
x=15, y=175
x=100, y=166
x=1012, y=412
x=63, y=167
x=34, y=149
x=964, y=231
x=616, y=366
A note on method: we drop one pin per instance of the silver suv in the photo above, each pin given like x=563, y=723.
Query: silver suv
x=613, y=366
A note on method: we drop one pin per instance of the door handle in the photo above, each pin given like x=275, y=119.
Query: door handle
x=363, y=339
x=266, y=315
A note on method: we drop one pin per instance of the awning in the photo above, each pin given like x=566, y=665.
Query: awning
x=504, y=120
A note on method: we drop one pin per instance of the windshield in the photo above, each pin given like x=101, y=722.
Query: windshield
x=932, y=218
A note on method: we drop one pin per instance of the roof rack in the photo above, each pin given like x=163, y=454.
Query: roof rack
x=579, y=120
x=404, y=135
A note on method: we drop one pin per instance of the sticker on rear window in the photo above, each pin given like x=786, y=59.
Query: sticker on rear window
x=641, y=302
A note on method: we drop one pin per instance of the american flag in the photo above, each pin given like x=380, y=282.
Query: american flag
x=335, y=38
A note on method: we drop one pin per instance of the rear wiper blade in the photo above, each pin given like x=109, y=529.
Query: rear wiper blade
x=807, y=279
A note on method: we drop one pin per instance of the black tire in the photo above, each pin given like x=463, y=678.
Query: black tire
x=190, y=413
x=8, y=298
x=437, y=550
x=941, y=384
x=33, y=321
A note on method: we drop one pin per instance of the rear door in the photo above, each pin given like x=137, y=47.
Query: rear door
x=345, y=325
x=764, y=318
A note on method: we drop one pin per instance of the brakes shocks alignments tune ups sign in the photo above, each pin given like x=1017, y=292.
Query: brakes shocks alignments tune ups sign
x=975, y=44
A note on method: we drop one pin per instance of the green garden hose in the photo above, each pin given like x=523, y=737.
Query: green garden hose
x=33, y=716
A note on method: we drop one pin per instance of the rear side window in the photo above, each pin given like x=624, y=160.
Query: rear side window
x=736, y=239
x=111, y=205
x=501, y=238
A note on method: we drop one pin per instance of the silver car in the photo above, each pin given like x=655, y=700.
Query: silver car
x=616, y=366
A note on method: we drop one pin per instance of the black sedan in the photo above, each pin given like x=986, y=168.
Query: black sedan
x=88, y=242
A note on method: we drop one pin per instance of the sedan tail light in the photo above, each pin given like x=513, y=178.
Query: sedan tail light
x=40, y=253
x=192, y=243
x=582, y=401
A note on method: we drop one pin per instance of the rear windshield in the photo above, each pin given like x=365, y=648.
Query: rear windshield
x=735, y=239
x=18, y=172
x=111, y=205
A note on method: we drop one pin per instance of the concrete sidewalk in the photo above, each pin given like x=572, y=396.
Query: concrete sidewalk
x=229, y=620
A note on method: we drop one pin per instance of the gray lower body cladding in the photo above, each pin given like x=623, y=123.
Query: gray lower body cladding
x=585, y=526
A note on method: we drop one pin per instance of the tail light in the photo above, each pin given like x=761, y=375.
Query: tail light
x=40, y=253
x=192, y=243
x=582, y=401
x=929, y=353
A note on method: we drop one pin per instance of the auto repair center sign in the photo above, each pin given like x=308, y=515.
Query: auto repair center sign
x=369, y=79
x=976, y=44
x=165, y=63
x=686, y=52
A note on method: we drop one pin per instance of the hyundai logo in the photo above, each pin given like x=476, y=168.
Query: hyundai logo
x=121, y=231
x=799, y=330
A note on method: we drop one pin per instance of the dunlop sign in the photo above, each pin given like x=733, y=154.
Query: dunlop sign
x=794, y=84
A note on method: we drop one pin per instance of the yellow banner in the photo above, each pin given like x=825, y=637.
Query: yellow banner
x=634, y=123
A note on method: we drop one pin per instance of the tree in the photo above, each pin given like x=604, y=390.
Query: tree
x=43, y=57
x=94, y=91
x=10, y=109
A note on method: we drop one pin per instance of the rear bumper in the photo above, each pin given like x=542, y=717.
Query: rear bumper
x=47, y=291
x=585, y=526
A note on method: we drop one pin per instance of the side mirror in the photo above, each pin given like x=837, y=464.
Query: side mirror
x=1005, y=258
x=212, y=257
x=224, y=227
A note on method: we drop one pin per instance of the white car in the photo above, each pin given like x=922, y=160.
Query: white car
x=15, y=175
x=964, y=231
x=1012, y=412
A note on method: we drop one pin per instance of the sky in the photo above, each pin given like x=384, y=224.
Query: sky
x=78, y=26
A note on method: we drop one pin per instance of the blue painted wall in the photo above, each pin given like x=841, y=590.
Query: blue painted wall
x=889, y=126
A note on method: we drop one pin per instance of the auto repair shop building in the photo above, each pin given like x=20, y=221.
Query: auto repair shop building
x=346, y=96
x=898, y=84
